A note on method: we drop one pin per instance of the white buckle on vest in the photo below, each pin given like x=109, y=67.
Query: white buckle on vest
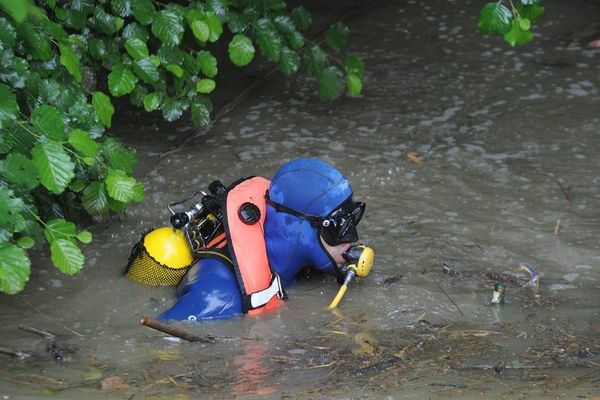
x=262, y=297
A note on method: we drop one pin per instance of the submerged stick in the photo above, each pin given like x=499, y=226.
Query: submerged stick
x=175, y=331
x=45, y=334
x=21, y=355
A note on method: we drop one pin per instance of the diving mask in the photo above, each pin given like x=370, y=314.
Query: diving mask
x=338, y=227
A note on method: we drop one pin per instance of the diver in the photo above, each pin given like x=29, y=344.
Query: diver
x=262, y=234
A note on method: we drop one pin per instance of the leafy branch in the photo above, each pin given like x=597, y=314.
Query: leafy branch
x=514, y=23
x=63, y=62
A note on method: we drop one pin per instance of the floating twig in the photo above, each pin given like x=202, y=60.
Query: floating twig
x=322, y=365
x=21, y=355
x=557, y=226
x=175, y=331
x=40, y=332
x=565, y=191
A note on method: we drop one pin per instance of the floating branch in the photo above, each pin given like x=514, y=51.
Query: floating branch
x=175, y=331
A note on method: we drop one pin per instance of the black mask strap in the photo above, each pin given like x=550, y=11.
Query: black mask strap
x=314, y=220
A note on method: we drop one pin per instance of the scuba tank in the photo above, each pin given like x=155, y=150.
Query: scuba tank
x=163, y=255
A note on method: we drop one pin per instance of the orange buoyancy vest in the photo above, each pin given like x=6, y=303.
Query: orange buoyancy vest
x=244, y=215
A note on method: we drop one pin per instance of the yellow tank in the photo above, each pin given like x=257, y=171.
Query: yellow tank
x=162, y=257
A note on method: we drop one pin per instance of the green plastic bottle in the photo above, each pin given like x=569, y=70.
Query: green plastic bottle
x=498, y=295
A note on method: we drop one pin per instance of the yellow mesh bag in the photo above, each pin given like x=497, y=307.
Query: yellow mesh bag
x=161, y=257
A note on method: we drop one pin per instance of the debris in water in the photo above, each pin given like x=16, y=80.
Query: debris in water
x=113, y=383
x=498, y=295
x=534, y=276
x=414, y=158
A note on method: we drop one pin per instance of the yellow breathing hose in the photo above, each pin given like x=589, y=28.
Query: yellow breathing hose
x=361, y=259
x=338, y=297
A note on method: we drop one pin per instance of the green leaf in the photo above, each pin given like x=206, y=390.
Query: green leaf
x=54, y=165
x=171, y=109
x=289, y=61
x=190, y=64
x=19, y=169
x=11, y=208
x=200, y=30
x=135, y=31
x=237, y=23
x=83, y=143
x=167, y=27
x=7, y=142
x=214, y=24
x=23, y=140
x=122, y=7
x=36, y=42
x=8, y=106
x=104, y=22
x=337, y=37
x=26, y=242
x=143, y=11
x=119, y=23
x=284, y=24
x=8, y=34
x=175, y=70
x=205, y=86
x=103, y=107
x=200, y=115
x=121, y=81
x=154, y=60
x=301, y=17
x=66, y=256
x=118, y=156
x=241, y=50
x=331, y=83
x=151, y=102
x=354, y=85
x=50, y=91
x=95, y=199
x=170, y=54
x=120, y=186
x=495, y=18
x=295, y=40
x=59, y=229
x=136, y=48
x=93, y=376
x=97, y=49
x=517, y=35
x=72, y=18
x=524, y=23
x=84, y=237
x=137, y=95
x=70, y=61
x=355, y=66
x=268, y=40
x=55, y=30
x=76, y=185
x=208, y=63
x=14, y=268
x=316, y=60
x=17, y=9
x=530, y=11
x=48, y=121
x=138, y=192
x=219, y=7
x=146, y=70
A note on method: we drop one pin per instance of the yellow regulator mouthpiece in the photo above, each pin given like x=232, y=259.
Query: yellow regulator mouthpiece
x=363, y=264
x=359, y=260
x=161, y=257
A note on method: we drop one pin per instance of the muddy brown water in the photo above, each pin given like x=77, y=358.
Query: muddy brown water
x=509, y=142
